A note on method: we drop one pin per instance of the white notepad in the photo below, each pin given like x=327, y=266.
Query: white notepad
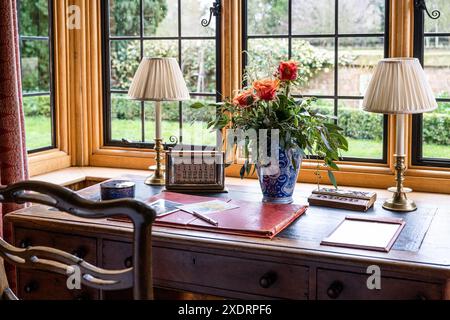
x=377, y=234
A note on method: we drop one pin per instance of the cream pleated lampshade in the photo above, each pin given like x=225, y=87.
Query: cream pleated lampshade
x=399, y=86
x=158, y=79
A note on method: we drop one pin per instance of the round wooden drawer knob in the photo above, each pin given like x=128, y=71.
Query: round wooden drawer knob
x=31, y=287
x=335, y=289
x=80, y=252
x=25, y=243
x=268, y=280
x=128, y=263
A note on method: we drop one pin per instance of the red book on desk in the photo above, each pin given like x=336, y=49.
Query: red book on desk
x=253, y=219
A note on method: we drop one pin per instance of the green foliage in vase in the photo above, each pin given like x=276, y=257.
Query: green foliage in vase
x=268, y=104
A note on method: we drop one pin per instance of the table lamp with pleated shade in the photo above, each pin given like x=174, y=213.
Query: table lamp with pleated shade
x=158, y=79
x=399, y=86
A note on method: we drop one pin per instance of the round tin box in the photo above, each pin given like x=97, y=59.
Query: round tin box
x=117, y=189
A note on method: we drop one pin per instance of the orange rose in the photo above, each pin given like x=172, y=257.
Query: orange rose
x=288, y=70
x=266, y=89
x=245, y=98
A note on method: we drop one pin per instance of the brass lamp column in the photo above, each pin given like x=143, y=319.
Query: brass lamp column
x=399, y=86
x=158, y=79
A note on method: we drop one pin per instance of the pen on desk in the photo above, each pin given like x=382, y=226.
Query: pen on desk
x=205, y=218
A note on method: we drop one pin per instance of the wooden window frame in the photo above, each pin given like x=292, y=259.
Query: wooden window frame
x=417, y=158
x=79, y=102
x=107, y=39
x=49, y=40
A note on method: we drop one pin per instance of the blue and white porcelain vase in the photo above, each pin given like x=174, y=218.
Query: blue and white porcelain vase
x=278, y=182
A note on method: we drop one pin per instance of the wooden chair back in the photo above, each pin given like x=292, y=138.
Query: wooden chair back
x=139, y=277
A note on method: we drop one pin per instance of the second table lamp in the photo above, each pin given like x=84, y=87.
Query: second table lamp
x=399, y=86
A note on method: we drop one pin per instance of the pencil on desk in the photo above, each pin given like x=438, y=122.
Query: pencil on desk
x=205, y=218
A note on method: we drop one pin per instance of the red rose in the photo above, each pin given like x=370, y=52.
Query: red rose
x=266, y=89
x=288, y=70
x=245, y=98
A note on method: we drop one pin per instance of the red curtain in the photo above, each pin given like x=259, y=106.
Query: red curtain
x=13, y=153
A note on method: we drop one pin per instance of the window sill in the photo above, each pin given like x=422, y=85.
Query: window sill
x=129, y=158
x=381, y=177
x=47, y=161
x=356, y=174
x=73, y=175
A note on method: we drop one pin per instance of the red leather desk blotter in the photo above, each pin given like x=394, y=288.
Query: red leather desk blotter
x=255, y=219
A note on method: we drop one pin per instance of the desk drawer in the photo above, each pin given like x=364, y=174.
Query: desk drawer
x=255, y=277
x=40, y=285
x=353, y=286
x=82, y=247
x=37, y=285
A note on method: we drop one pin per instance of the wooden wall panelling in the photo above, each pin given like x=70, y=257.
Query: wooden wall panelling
x=79, y=86
x=401, y=45
x=61, y=73
x=401, y=28
x=231, y=47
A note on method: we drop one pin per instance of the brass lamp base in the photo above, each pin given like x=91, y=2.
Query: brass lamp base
x=158, y=178
x=399, y=201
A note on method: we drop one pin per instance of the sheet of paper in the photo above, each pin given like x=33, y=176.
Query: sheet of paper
x=364, y=233
x=164, y=207
x=208, y=207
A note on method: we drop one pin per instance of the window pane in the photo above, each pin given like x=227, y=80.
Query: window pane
x=35, y=59
x=192, y=13
x=197, y=58
x=195, y=131
x=125, y=58
x=264, y=56
x=199, y=65
x=267, y=17
x=124, y=17
x=437, y=65
x=161, y=48
x=38, y=122
x=125, y=118
x=160, y=18
x=316, y=57
x=436, y=133
x=357, y=58
x=313, y=17
x=364, y=130
x=33, y=17
x=170, y=125
x=361, y=16
x=324, y=106
x=443, y=23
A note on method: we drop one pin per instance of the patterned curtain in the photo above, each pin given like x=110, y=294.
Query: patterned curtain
x=13, y=153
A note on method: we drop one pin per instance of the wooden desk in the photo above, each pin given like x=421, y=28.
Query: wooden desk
x=293, y=265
